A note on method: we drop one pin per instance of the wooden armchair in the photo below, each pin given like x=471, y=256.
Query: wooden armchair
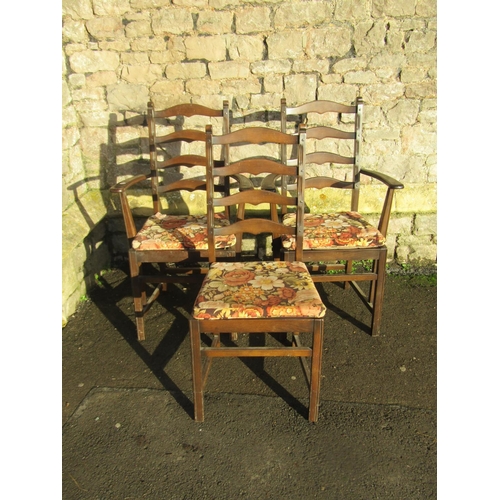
x=334, y=240
x=255, y=296
x=172, y=245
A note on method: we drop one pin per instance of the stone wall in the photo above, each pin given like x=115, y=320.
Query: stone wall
x=118, y=54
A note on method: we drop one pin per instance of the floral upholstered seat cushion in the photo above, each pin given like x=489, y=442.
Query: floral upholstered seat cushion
x=258, y=290
x=341, y=229
x=179, y=232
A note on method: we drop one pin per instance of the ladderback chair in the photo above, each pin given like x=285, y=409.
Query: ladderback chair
x=174, y=244
x=248, y=296
x=335, y=239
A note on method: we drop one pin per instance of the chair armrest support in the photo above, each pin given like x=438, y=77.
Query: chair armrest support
x=121, y=189
x=391, y=184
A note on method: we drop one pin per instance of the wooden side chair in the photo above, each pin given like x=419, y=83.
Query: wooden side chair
x=334, y=240
x=255, y=296
x=172, y=245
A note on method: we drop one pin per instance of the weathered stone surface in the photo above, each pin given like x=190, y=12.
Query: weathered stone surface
x=214, y=22
x=122, y=96
x=196, y=47
x=105, y=27
x=301, y=14
x=119, y=54
x=172, y=21
x=253, y=20
x=90, y=61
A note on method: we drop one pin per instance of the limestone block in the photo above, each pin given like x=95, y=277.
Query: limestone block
x=387, y=65
x=300, y=88
x=101, y=79
x=421, y=90
x=203, y=86
x=238, y=87
x=418, y=139
x=137, y=74
x=201, y=47
x=169, y=87
x=77, y=80
x=419, y=41
x=77, y=9
x=66, y=93
x=425, y=224
x=273, y=84
x=369, y=37
x=135, y=58
x=74, y=31
x=118, y=45
x=186, y=70
x=345, y=94
x=352, y=10
x=378, y=93
x=214, y=22
x=70, y=137
x=110, y=7
x=95, y=118
x=253, y=20
x=90, y=61
x=328, y=42
x=405, y=112
x=393, y=8
x=90, y=106
x=149, y=4
x=145, y=44
x=228, y=69
x=350, y=64
x=312, y=65
x=285, y=44
x=332, y=78
x=125, y=96
x=93, y=93
x=137, y=29
x=360, y=77
x=247, y=48
x=173, y=21
x=416, y=249
x=69, y=117
x=416, y=197
x=412, y=75
x=105, y=27
x=190, y=3
x=271, y=67
x=265, y=101
x=301, y=14
x=401, y=224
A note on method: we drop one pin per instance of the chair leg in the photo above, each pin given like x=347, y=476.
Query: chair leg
x=317, y=352
x=348, y=270
x=378, y=295
x=139, y=298
x=197, y=368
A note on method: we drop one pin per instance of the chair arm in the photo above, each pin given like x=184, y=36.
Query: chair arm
x=391, y=184
x=386, y=179
x=121, y=188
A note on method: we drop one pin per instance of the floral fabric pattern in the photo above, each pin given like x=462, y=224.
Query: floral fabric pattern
x=179, y=232
x=258, y=290
x=341, y=229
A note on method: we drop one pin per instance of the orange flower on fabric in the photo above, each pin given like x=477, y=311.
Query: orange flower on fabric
x=238, y=277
